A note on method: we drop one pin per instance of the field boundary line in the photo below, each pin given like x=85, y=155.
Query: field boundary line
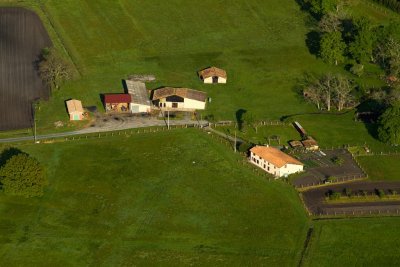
x=60, y=39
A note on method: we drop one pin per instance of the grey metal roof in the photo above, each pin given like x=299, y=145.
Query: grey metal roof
x=138, y=92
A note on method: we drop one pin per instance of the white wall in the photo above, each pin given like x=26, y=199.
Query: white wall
x=137, y=108
x=210, y=80
x=194, y=104
x=270, y=168
x=290, y=169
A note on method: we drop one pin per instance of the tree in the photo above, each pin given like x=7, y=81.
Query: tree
x=313, y=93
x=330, y=23
x=322, y=7
x=54, y=69
x=342, y=91
x=22, y=175
x=361, y=47
x=389, y=125
x=332, y=47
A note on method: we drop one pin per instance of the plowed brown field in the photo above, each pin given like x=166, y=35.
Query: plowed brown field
x=22, y=37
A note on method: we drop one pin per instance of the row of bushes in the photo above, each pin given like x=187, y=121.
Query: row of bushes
x=332, y=195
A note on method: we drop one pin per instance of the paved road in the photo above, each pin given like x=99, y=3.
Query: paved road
x=110, y=123
x=315, y=199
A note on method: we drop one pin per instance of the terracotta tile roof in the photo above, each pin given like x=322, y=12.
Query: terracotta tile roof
x=182, y=92
x=74, y=105
x=274, y=156
x=211, y=72
x=117, y=98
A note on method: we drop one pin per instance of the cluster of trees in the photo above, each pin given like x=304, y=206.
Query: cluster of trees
x=344, y=38
x=20, y=174
x=54, y=69
x=392, y=4
x=329, y=90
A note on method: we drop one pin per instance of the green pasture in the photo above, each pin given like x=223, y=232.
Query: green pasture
x=381, y=167
x=354, y=242
x=171, y=198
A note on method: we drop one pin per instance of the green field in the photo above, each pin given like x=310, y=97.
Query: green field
x=170, y=198
x=381, y=167
x=355, y=242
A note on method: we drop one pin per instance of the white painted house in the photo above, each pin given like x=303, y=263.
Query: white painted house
x=140, y=100
x=213, y=75
x=274, y=161
x=179, y=99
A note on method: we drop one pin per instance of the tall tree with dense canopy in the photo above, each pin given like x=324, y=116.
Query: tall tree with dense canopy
x=389, y=125
x=332, y=47
x=22, y=175
x=362, y=46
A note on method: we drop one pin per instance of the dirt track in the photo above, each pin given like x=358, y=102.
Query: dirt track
x=314, y=200
x=22, y=37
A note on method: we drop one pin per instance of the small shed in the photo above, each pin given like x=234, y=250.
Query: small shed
x=140, y=101
x=213, y=75
x=295, y=143
x=118, y=103
x=310, y=144
x=75, y=110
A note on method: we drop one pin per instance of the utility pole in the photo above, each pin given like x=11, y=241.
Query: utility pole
x=34, y=119
x=168, y=118
x=235, y=142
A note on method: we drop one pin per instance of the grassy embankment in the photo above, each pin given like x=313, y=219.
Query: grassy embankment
x=381, y=167
x=170, y=198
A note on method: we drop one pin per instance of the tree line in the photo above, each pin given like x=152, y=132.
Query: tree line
x=355, y=42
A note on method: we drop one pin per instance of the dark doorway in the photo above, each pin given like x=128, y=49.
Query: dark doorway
x=215, y=79
x=175, y=105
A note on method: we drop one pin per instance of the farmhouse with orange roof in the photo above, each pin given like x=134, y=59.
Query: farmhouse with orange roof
x=274, y=161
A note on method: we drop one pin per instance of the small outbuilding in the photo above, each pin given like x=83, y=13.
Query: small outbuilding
x=75, y=110
x=140, y=101
x=310, y=144
x=213, y=75
x=179, y=99
x=274, y=161
x=118, y=103
x=295, y=144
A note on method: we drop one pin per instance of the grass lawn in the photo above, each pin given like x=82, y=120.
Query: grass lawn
x=170, y=198
x=381, y=167
x=284, y=132
x=355, y=242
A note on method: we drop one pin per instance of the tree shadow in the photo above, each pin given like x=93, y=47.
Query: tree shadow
x=239, y=118
x=8, y=154
x=313, y=39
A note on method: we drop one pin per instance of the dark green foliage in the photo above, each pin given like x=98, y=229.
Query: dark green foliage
x=389, y=125
x=321, y=7
x=357, y=69
x=334, y=195
x=22, y=175
x=332, y=48
x=380, y=193
x=337, y=160
x=364, y=39
x=244, y=147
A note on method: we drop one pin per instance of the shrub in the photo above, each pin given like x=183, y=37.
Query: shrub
x=380, y=193
x=337, y=160
x=244, y=147
x=357, y=69
x=22, y=175
x=335, y=195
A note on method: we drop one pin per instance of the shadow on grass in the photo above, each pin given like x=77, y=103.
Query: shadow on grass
x=9, y=153
x=313, y=39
